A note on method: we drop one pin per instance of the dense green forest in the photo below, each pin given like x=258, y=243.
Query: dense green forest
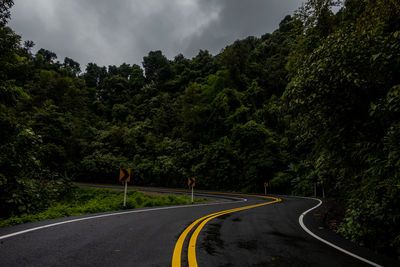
x=315, y=103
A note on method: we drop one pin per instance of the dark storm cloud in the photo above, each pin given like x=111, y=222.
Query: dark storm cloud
x=113, y=32
x=239, y=19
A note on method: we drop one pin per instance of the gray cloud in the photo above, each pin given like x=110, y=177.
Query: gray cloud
x=113, y=32
x=239, y=19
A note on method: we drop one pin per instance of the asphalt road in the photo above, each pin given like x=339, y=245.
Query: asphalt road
x=266, y=235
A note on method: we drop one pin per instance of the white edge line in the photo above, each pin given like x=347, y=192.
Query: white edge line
x=327, y=242
x=113, y=214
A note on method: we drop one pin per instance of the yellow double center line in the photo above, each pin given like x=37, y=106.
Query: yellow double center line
x=192, y=261
x=176, y=258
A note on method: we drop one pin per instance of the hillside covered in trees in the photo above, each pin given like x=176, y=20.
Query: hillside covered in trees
x=315, y=103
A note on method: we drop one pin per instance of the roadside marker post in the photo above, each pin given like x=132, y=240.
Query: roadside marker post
x=265, y=188
x=125, y=176
x=191, y=183
x=125, y=191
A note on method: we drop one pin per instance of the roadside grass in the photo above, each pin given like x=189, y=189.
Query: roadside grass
x=92, y=200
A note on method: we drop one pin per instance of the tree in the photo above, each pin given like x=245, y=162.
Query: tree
x=341, y=82
x=317, y=15
x=5, y=6
x=48, y=56
x=157, y=67
x=94, y=75
x=72, y=66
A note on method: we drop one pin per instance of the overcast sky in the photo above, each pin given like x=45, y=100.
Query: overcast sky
x=110, y=32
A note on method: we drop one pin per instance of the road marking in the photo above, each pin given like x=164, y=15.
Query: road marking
x=194, y=223
x=176, y=258
x=177, y=255
x=192, y=243
x=108, y=215
x=327, y=242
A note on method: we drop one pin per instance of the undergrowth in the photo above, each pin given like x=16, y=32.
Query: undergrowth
x=91, y=200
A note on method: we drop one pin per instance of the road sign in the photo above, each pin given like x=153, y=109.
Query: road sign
x=191, y=181
x=265, y=187
x=125, y=175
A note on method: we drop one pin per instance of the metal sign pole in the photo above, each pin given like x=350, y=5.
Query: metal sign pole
x=126, y=189
x=192, y=194
x=265, y=189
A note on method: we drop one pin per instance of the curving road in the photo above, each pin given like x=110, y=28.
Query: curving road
x=237, y=230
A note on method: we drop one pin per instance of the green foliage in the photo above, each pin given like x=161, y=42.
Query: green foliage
x=313, y=105
x=23, y=196
x=343, y=102
x=5, y=6
x=81, y=201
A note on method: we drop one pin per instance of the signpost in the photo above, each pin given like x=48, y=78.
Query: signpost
x=191, y=183
x=265, y=187
x=125, y=176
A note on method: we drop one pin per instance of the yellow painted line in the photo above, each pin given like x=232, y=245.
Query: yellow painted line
x=192, y=243
x=177, y=255
x=176, y=258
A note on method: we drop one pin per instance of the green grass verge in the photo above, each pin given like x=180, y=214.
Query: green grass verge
x=91, y=200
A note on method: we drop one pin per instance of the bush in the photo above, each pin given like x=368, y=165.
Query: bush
x=91, y=200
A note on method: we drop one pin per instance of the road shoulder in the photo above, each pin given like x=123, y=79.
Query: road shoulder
x=313, y=222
